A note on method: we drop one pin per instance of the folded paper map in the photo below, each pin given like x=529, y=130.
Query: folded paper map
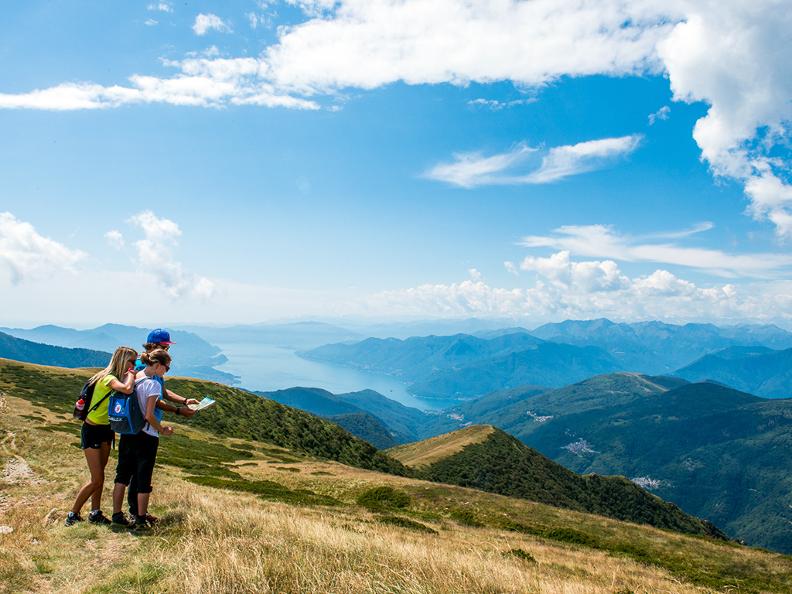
x=205, y=403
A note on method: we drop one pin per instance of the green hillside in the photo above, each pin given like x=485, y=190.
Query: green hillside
x=19, y=349
x=237, y=413
x=719, y=454
x=486, y=458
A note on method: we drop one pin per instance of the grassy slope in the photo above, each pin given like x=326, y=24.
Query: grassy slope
x=237, y=414
x=245, y=516
x=484, y=457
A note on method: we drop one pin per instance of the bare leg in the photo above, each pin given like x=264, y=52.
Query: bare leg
x=118, y=496
x=143, y=499
x=94, y=459
x=96, y=496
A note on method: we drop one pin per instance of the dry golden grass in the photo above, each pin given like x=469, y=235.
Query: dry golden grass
x=211, y=540
x=429, y=451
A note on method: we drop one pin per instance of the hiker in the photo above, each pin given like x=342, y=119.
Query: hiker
x=158, y=339
x=96, y=435
x=137, y=452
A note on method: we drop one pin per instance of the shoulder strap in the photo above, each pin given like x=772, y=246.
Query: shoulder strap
x=102, y=399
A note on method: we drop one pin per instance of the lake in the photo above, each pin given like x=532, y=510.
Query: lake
x=268, y=367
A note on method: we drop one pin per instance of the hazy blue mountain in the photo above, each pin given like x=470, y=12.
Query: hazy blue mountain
x=295, y=335
x=366, y=414
x=408, y=423
x=465, y=366
x=718, y=453
x=313, y=400
x=20, y=349
x=656, y=347
x=758, y=370
x=192, y=355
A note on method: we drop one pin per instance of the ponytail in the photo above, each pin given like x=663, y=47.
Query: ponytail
x=160, y=356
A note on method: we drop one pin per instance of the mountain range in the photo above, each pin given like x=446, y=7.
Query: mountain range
x=19, y=349
x=193, y=355
x=658, y=348
x=718, y=453
x=464, y=366
x=758, y=370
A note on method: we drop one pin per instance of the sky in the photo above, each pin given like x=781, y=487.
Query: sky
x=246, y=161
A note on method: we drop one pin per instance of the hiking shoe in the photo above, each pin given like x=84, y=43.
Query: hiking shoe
x=151, y=519
x=97, y=517
x=141, y=524
x=72, y=519
x=120, y=519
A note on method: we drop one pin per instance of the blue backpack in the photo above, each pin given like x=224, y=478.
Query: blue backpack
x=126, y=417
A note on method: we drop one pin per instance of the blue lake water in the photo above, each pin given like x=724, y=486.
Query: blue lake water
x=268, y=367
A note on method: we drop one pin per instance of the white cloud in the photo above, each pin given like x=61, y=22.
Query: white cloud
x=115, y=239
x=201, y=83
x=155, y=257
x=209, y=22
x=660, y=114
x=601, y=241
x=26, y=254
x=731, y=54
x=522, y=166
x=151, y=22
x=565, y=288
x=496, y=105
x=735, y=56
x=160, y=7
x=511, y=268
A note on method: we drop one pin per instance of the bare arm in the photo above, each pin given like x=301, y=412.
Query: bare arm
x=125, y=387
x=151, y=404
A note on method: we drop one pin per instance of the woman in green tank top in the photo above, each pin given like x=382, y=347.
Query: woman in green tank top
x=96, y=435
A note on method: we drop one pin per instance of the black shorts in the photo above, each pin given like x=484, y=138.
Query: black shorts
x=136, y=457
x=93, y=436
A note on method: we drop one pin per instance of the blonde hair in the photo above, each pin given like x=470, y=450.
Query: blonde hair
x=117, y=365
x=160, y=356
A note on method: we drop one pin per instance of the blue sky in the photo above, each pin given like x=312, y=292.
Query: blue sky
x=252, y=172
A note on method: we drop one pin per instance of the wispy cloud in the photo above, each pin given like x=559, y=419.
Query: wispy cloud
x=496, y=105
x=160, y=7
x=601, y=241
x=527, y=165
x=660, y=114
x=209, y=22
x=155, y=256
x=115, y=239
x=28, y=254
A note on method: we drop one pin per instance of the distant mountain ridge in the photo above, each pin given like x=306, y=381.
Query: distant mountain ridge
x=758, y=370
x=28, y=351
x=657, y=347
x=366, y=414
x=192, y=355
x=466, y=366
x=486, y=458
